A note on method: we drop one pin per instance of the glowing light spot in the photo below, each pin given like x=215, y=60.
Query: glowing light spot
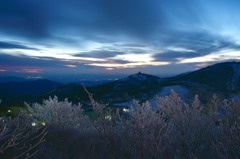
x=9, y=111
x=34, y=124
x=125, y=110
x=3, y=70
x=108, y=117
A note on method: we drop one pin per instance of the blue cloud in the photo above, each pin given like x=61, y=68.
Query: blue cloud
x=13, y=45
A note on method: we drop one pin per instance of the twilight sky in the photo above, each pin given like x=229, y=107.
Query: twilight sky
x=66, y=37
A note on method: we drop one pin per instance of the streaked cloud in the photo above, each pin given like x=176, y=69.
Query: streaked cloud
x=227, y=54
x=135, y=57
x=14, y=45
x=179, y=49
x=100, y=54
x=129, y=65
x=92, y=36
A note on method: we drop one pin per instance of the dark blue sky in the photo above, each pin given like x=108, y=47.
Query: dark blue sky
x=43, y=37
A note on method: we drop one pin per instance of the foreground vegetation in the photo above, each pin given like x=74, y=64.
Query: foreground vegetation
x=59, y=130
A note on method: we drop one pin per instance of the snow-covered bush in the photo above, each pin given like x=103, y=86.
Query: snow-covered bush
x=173, y=129
x=61, y=113
x=18, y=138
x=72, y=143
x=228, y=145
x=142, y=134
x=193, y=130
x=147, y=132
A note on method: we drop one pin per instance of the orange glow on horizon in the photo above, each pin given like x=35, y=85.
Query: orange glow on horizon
x=70, y=65
x=20, y=69
x=27, y=71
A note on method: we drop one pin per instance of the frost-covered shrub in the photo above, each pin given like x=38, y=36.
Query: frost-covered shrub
x=228, y=145
x=61, y=113
x=173, y=129
x=231, y=112
x=193, y=130
x=18, y=138
x=143, y=134
x=72, y=143
x=147, y=132
x=213, y=108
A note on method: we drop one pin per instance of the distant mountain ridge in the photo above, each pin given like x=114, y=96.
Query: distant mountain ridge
x=133, y=86
x=12, y=91
x=222, y=79
x=11, y=79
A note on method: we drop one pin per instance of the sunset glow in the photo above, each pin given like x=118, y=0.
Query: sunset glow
x=27, y=71
x=70, y=65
